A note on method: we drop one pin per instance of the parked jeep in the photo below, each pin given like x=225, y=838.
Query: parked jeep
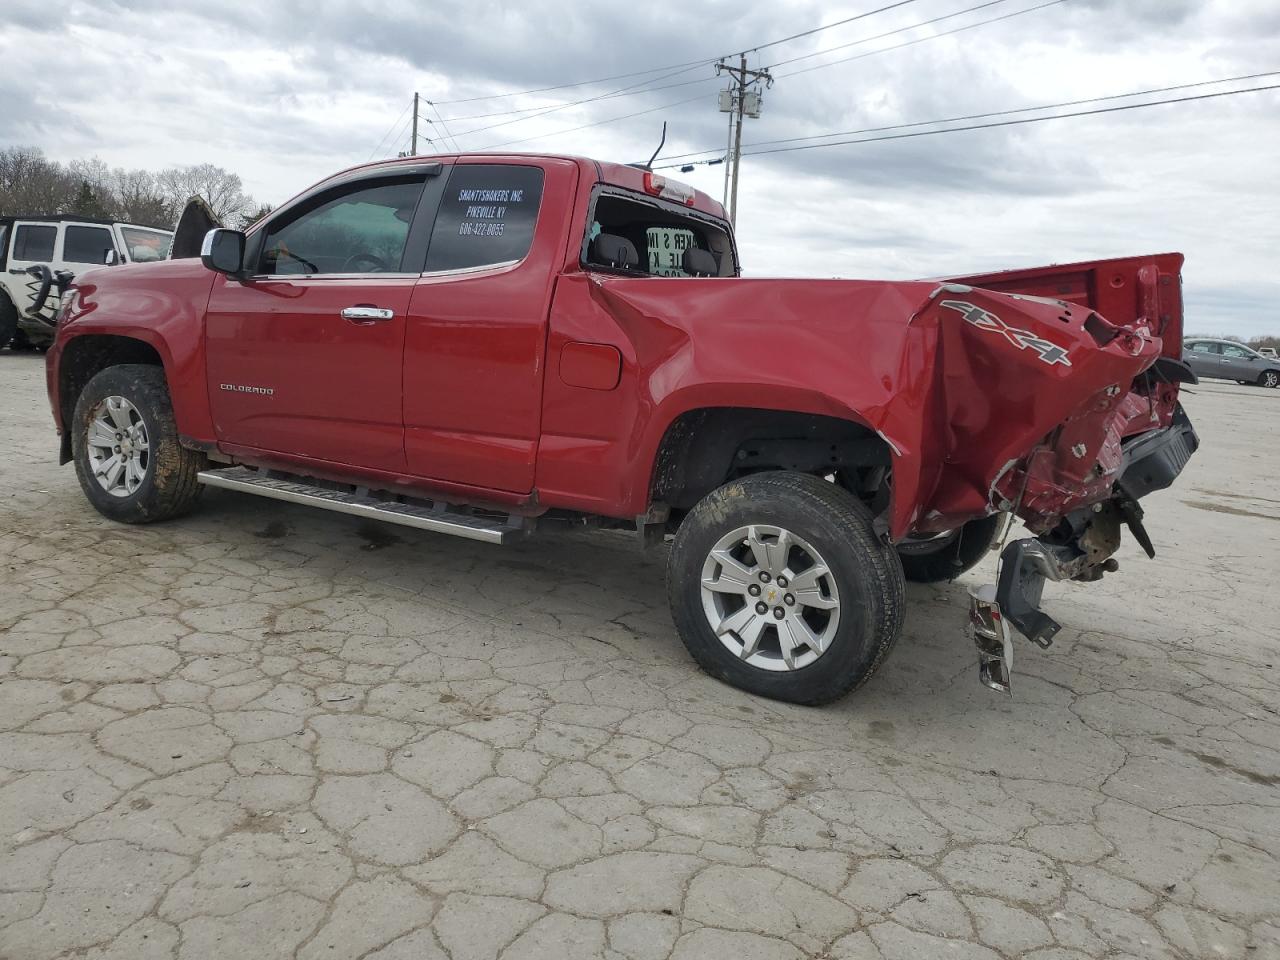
x=64, y=245
x=478, y=345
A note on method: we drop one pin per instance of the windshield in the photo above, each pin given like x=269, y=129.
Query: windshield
x=146, y=245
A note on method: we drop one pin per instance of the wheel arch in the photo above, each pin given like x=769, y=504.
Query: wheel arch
x=85, y=356
x=705, y=447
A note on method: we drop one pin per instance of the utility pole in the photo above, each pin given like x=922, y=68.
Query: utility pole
x=738, y=101
x=413, y=144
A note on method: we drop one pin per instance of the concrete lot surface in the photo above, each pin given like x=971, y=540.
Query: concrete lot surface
x=268, y=732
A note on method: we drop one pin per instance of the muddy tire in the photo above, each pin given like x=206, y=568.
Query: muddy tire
x=779, y=585
x=8, y=320
x=125, y=444
x=946, y=557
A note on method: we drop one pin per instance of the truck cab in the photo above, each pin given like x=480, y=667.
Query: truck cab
x=60, y=243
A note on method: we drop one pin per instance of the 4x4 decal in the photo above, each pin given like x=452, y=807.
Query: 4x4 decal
x=1049, y=352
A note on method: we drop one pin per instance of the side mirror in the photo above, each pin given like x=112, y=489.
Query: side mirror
x=111, y=258
x=223, y=251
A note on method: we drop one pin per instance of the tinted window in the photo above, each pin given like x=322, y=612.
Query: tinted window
x=34, y=242
x=360, y=231
x=86, y=244
x=487, y=216
x=146, y=245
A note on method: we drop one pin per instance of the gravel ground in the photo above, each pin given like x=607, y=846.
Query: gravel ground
x=268, y=732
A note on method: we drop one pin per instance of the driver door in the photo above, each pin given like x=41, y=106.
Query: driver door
x=305, y=357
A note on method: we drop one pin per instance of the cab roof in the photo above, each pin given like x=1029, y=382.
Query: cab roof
x=622, y=175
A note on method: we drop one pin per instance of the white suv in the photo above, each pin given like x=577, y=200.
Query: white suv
x=71, y=244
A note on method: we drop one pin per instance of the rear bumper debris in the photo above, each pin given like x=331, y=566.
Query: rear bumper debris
x=1079, y=548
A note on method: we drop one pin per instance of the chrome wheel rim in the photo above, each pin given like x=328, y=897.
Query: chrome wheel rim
x=119, y=447
x=770, y=598
x=1271, y=379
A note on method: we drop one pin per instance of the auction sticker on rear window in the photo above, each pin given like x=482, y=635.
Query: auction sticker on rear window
x=666, y=250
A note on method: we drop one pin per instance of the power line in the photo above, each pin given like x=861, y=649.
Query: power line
x=686, y=83
x=622, y=92
x=395, y=123
x=932, y=36
x=982, y=116
x=630, y=91
x=597, y=123
x=890, y=33
x=444, y=127
x=809, y=33
x=674, y=66
x=1014, y=123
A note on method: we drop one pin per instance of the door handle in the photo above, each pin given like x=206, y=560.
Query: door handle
x=366, y=313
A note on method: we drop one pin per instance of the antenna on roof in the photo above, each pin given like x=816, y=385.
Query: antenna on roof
x=661, y=144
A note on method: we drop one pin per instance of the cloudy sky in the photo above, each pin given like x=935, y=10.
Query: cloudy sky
x=286, y=92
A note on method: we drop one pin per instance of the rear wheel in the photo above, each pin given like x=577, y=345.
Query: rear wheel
x=946, y=556
x=1269, y=378
x=125, y=443
x=779, y=585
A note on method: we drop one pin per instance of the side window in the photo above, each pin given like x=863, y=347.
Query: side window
x=486, y=217
x=34, y=242
x=362, y=230
x=86, y=244
x=1236, y=353
x=1204, y=346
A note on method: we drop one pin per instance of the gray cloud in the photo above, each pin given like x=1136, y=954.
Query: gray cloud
x=287, y=92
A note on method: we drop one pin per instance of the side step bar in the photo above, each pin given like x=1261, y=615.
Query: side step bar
x=437, y=517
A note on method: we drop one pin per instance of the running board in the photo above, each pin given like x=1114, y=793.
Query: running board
x=437, y=517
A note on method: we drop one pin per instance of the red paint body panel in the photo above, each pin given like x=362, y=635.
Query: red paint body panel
x=475, y=353
x=162, y=304
x=539, y=384
x=336, y=384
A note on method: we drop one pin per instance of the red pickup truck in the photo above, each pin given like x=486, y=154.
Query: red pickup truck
x=478, y=345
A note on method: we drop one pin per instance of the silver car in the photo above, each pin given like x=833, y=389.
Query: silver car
x=1227, y=360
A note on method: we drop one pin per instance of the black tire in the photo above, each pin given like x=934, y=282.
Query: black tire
x=864, y=570
x=1270, y=379
x=935, y=561
x=8, y=320
x=169, y=487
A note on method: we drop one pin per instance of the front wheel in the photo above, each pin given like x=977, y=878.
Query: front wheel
x=125, y=443
x=779, y=585
x=1269, y=378
x=946, y=556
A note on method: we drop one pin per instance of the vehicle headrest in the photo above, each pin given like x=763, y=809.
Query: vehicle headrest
x=699, y=263
x=610, y=250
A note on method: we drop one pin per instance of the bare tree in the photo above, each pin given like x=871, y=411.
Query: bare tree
x=139, y=198
x=32, y=185
x=222, y=190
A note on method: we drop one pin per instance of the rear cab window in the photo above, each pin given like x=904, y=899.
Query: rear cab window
x=660, y=232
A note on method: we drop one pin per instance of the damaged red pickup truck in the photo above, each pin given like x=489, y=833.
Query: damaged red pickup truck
x=479, y=345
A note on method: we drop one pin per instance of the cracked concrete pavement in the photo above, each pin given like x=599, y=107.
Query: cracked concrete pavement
x=264, y=731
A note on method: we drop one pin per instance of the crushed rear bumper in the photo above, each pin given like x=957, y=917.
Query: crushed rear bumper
x=1079, y=549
